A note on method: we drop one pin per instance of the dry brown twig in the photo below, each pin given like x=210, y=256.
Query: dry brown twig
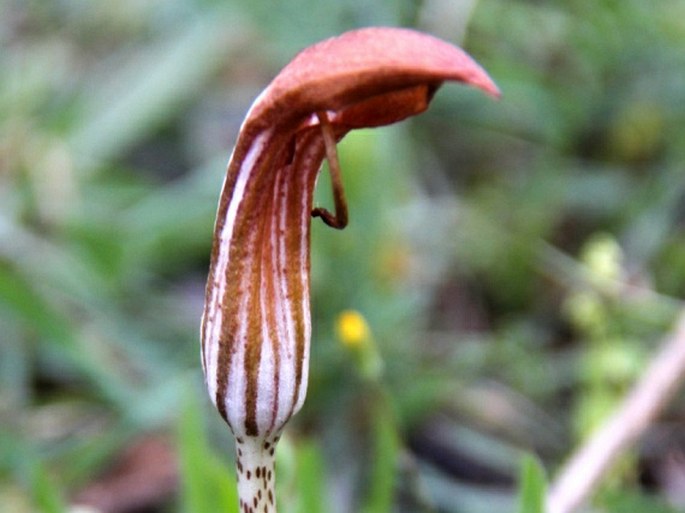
x=584, y=470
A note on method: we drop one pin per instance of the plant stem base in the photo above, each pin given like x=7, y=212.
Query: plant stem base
x=256, y=476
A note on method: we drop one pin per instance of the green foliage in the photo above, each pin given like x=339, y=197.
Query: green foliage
x=310, y=469
x=628, y=501
x=382, y=482
x=208, y=484
x=47, y=497
x=516, y=261
x=532, y=486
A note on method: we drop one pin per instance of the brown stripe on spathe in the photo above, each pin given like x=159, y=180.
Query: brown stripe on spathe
x=307, y=165
x=242, y=147
x=260, y=210
x=230, y=304
x=253, y=343
x=275, y=287
x=227, y=329
x=235, y=288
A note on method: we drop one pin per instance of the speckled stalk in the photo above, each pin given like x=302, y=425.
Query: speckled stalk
x=255, y=459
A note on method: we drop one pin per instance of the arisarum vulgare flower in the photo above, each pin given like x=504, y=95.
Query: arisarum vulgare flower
x=256, y=324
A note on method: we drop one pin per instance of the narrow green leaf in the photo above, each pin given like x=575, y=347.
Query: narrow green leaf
x=46, y=495
x=532, y=486
x=134, y=98
x=385, y=452
x=207, y=484
x=310, y=469
x=17, y=293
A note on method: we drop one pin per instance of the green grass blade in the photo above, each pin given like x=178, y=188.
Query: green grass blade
x=310, y=469
x=207, y=484
x=532, y=486
x=46, y=495
x=382, y=478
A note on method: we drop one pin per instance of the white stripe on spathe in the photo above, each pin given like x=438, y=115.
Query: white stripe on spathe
x=214, y=315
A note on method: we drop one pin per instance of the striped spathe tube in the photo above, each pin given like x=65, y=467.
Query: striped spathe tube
x=256, y=325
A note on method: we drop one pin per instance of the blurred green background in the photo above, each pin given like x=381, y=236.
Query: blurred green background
x=517, y=262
